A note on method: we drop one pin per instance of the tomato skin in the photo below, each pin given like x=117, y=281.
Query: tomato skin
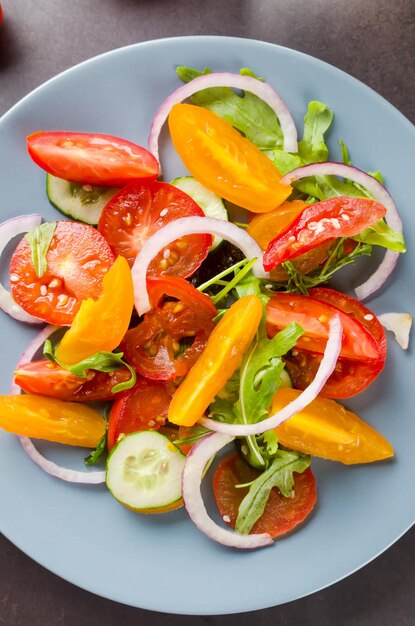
x=140, y=209
x=350, y=377
x=100, y=324
x=95, y=159
x=313, y=315
x=281, y=514
x=327, y=430
x=54, y=420
x=152, y=346
x=144, y=407
x=323, y=221
x=221, y=357
x=78, y=257
x=49, y=379
x=224, y=161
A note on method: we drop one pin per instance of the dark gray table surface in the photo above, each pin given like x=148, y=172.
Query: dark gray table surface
x=374, y=40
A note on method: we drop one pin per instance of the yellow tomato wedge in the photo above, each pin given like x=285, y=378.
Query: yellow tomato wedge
x=264, y=228
x=327, y=430
x=100, y=324
x=55, y=420
x=221, y=357
x=224, y=161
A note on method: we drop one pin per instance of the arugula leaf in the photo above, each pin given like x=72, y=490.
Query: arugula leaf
x=40, y=239
x=250, y=285
x=195, y=433
x=96, y=455
x=279, y=474
x=317, y=121
x=380, y=234
x=248, y=113
x=101, y=361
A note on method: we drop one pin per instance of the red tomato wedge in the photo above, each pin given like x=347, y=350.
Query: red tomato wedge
x=77, y=259
x=281, y=514
x=138, y=211
x=144, y=407
x=313, y=315
x=323, y=221
x=49, y=379
x=350, y=377
x=91, y=158
x=168, y=341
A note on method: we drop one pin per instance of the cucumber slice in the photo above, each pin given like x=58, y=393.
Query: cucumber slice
x=211, y=204
x=285, y=379
x=83, y=203
x=144, y=472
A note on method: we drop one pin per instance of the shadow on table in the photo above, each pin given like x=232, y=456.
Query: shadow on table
x=8, y=46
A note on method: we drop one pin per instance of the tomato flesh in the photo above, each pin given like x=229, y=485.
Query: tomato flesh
x=168, y=341
x=314, y=315
x=91, y=158
x=49, y=379
x=281, y=514
x=323, y=221
x=77, y=259
x=224, y=161
x=144, y=407
x=350, y=377
x=138, y=211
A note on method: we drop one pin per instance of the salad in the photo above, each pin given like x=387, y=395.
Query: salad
x=190, y=316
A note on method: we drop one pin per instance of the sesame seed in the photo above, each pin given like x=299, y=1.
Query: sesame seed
x=226, y=519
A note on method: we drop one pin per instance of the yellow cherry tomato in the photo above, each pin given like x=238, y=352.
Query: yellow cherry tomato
x=224, y=161
x=264, y=228
x=100, y=324
x=221, y=357
x=327, y=430
x=55, y=420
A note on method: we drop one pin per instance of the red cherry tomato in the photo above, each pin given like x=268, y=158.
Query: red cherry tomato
x=77, y=259
x=144, y=407
x=350, y=377
x=138, y=211
x=313, y=315
x=336, y=217
x=91, y=158
x=168, y=341
x=281, y=514
x=49, y=379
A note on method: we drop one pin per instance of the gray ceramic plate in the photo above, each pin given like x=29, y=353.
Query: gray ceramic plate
x=162, y=562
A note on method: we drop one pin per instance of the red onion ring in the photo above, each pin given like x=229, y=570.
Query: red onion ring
x=69, y=475
x=193, y=469
x=180, y=228
x=226, y=79
x=8, y=230
x=326, y=367
x=379, y=193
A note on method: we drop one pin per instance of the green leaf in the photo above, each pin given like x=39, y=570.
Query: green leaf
x=195, y=434
x=97, y=455
x=380, y=234
x=280, y=475
x=248, y=113
x=317, y=121
x=101, y=362
x=40, y=239
x=284, y=161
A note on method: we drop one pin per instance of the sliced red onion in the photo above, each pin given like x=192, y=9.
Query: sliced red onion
x=399, y=324
x=70, y=475
x=8, y=230
x=379, y=193
x=327, y=365
x=194, y=225
x=192, y=475
x=235, y=81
